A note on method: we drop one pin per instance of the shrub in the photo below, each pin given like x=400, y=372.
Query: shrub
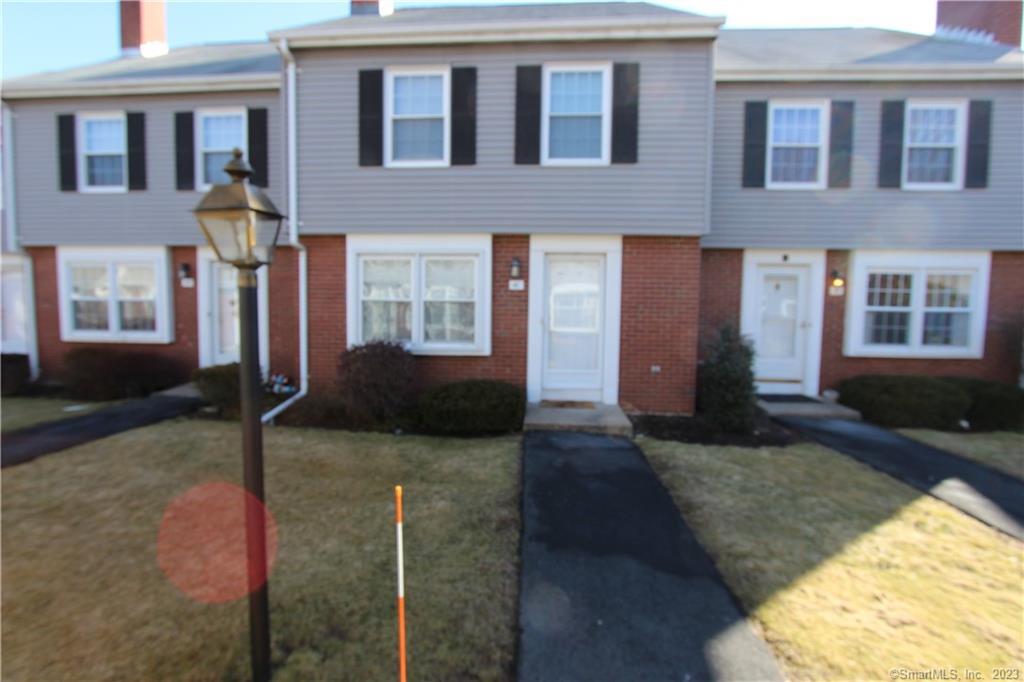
x=377, y=381
x=110, y=374
x=14, y=374
x=728, y=401
x=219, y=385
x=906, y=401
x=994, y=406
x=316, y=411
x=471, y=408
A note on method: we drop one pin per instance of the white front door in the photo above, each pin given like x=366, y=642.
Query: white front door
x=574, y=304
x=782, y=325
x=224, y=310
x=15, y=321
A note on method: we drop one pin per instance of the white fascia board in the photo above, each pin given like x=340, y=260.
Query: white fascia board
x=144, y=86
x=936, y=72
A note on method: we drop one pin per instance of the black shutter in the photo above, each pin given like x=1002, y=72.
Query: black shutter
x=755, y=140
x=890, y=153
x=528, y=114
x=258, y=159
x=371, y=117
x=184, y=150
x=136, y=150
x=840, y=145
x=979, y=132
x=464, y=116
x=66, y=152
x=625, y=112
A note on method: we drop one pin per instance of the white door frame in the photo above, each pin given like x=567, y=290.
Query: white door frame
x=611, y=248
x=205, y=290
x=30, y=347
x=814, y=261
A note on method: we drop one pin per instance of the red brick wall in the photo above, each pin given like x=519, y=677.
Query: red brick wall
x=326, y=310
x=660, y=318
x=183, y=350
x=1002, y=336
x=721, y=284
x=283, y=306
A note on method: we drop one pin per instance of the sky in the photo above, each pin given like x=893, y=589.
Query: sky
x=37, y=35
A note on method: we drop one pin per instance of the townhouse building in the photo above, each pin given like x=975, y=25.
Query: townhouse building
x=566, y=197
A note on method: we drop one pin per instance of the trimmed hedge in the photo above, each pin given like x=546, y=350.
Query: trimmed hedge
x=472, y=408
x=906, y=401
x=15, y=374
x=110, y=374
x=377, y=382
x=727, y=399
x=994, y=406
x=219, y=385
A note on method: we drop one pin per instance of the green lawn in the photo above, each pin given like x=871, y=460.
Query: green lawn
x=19, y=413
x=848, y=572
x=1002, y=450
x=85, y=599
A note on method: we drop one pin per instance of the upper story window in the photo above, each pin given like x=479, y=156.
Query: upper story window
x=102, y=152
x=114, y=295
x=417, y=109
x=933, y=145
x=918, y=304
x=218, y=132
x=576, y=121
x=797, y=149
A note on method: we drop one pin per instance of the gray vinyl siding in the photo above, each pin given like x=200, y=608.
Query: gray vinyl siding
x=865, y=216
x=158, y=215
x=665, y=193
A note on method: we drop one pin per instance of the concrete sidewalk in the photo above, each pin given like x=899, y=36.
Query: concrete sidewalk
x=990, y=496
x=614, y=585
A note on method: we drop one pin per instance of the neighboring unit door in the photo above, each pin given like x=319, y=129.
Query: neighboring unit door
x=573, y=358
x=781, y=336
x=14, y=329
x=224, y=310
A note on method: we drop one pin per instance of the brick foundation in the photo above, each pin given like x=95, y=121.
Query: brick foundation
x=721, y=286
x=326, y=310
x=660, y=317
x=283, y=290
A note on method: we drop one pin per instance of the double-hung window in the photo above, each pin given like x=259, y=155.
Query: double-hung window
x=934, y=135
x=102, y=152
x=417, y=112
x=429, y=295
x=918, y=304
x=576, y=122
x=218, y=133
x=797, y=144
x=114, y=295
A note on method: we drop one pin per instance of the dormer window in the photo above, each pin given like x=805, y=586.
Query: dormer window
x=102, y=156
x=417, y=113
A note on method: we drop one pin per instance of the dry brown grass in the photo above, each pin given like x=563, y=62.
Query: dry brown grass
x=1002, y=450
x=19, y=413
x=848, y=572
x=84, y=599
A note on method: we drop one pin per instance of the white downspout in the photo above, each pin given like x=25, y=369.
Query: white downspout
x=293, y=229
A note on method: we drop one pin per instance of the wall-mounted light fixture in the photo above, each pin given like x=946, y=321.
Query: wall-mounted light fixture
x=184, y=271
x=516, y=271
x=837, y=279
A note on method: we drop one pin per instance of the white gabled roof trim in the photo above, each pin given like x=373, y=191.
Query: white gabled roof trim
x=875, y=72
x=145, y=86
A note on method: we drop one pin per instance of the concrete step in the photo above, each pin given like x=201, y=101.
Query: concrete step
x=811, y=409
x=606, y=419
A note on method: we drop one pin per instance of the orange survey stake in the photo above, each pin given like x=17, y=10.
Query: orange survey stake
x=401, y=586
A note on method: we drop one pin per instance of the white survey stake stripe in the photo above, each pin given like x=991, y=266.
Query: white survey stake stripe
x=401, y=561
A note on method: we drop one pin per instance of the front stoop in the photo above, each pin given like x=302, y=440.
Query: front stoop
x=808, y=408
x=606, y=419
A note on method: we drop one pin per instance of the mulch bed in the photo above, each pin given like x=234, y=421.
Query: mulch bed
x=766, y=433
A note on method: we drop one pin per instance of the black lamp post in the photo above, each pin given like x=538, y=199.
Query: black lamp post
x=242, y=225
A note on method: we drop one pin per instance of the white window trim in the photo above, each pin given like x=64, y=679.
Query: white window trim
x=419, y=247
x=824, y=111
x=197, y=138
x=977, y=264
x=157, y=256
x=959, y=150
x=446, y=107
x=606, y=112
x=83, y=178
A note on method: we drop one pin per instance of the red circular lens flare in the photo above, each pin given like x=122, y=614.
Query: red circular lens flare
x=202, y=547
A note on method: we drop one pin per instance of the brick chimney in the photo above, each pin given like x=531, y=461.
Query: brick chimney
x=143, y=28
x=381, y=8
x=985, y=20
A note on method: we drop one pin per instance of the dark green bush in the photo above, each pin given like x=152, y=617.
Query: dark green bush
x=472, y=408
x=906, y=401
x=994, y=406
x=219, y=385
x=377, y=382
x=727, y=399
x=316, y=411
x=111, y=374
x=14, y=374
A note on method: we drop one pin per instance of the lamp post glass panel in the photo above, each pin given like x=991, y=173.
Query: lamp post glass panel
x=242, y=225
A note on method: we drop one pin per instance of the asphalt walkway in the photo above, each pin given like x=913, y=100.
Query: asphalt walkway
x=614, y=585
x=27, y=444
x=989, y=495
